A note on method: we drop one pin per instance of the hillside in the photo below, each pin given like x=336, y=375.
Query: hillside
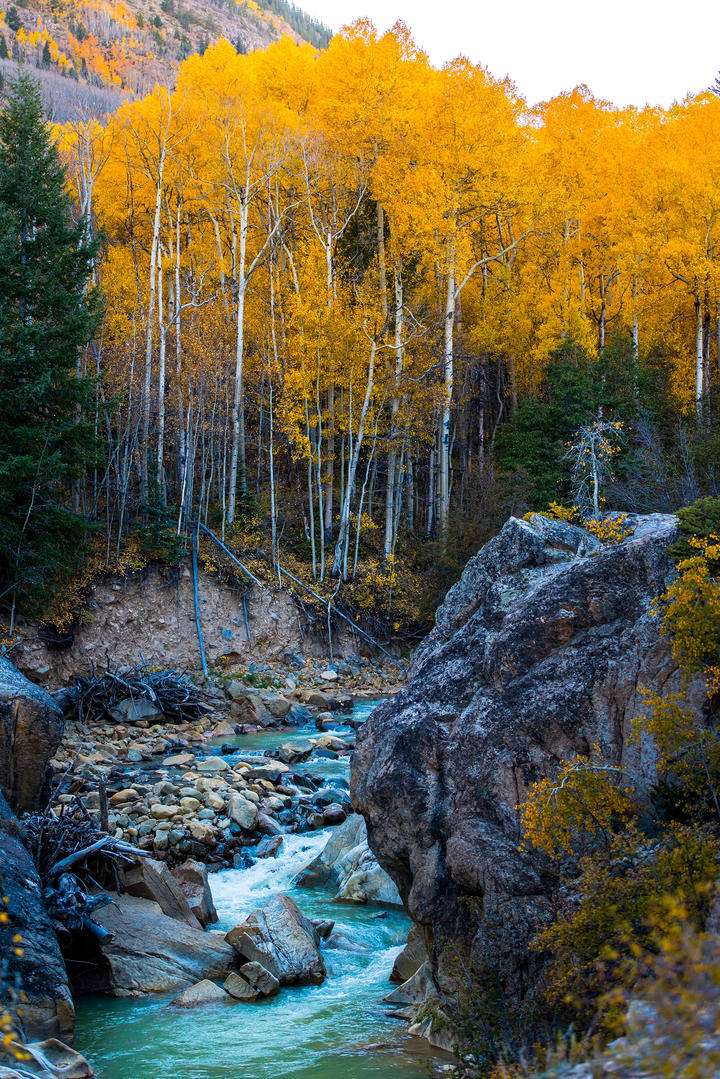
x=90, y=54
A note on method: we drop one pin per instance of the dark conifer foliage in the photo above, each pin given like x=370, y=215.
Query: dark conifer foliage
x=47, y=317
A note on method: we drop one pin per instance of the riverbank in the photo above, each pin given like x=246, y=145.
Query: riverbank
x=211, y=787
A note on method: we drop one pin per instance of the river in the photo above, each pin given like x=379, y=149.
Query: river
x=337, y=1030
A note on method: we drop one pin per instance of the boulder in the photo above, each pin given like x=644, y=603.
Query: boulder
x=412, y=957
x=283, y=940
x=243, y=812
x=347, y=866
x=151, y=879
x=539, y=652
x=268, y=847
x=260, y=979
x=248, y=706
x=278, y=707
x=47, y=1009
x=211, y=765
x=418, y=989
x=151, y=953
x=290, y=752
x=239, y=988
x=51, y=1059
x=204, y=992
x=31, y=729
x=273, y=771
x=192, y=878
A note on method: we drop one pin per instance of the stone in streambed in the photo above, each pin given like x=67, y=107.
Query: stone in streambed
x=192, y=878
x=204, y=992
x=412, y=957
x=243, y=812
x=151, y=953
x=210, y=765
x=283, y=940
x=416, y=990
x=151, y=879
x=239, y=988
x=260, y=979
x=334, y=814
x=268, y=847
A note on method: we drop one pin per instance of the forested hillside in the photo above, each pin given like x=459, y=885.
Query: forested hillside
x=356, y=309
x=89, y=55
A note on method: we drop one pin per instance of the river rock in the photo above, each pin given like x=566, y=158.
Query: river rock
x=257, y=976
x=273, y=771
x=151, y=953
x=151, y=879
x=239, y=988
x=418, y=989
x=412, y=957
x=283, y=940
x=268, y=847
x=204, y=992
x=278, y=707
x=52, y=1059
x=243, y=812
x=290, y=752
x=211, y=765
x=31, y=728
x=179, y=760
x=539, y=652
x=192, y=878
x=347, y=866
x=334, y=814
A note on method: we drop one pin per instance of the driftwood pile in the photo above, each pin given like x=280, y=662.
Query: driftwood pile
x=172, y=693
x=75, y=860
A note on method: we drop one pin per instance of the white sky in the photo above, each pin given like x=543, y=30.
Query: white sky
x=627, y=51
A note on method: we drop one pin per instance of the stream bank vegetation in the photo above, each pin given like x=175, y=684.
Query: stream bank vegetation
x=628, y=947
x=357, y=311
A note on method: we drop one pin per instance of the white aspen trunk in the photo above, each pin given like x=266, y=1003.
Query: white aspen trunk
x=699, y=367
x=150, y=321
x=431, y=492
x=237, y=450
x=162, y=329
x=444, y=455
x=410, y=493
x=352, y=470
x=388, y=541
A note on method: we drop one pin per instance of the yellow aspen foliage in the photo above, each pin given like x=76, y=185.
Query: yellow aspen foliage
x=691, y=609
x=582, y=806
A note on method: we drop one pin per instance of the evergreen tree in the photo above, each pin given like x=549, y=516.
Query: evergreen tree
x=47, y=315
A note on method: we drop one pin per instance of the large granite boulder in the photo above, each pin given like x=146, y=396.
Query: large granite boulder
x=46, y=1010
x=348, y=867
x=539, y=652
x=149, y=952
x=283, y=940
x=31, y=728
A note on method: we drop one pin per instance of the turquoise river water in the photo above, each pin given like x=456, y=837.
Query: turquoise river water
x=337, y=1030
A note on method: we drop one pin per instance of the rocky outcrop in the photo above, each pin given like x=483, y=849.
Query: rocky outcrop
x=46, y=1010
x=31, y=728
x=539, y=652
x=283, y=941
x=347, y=866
